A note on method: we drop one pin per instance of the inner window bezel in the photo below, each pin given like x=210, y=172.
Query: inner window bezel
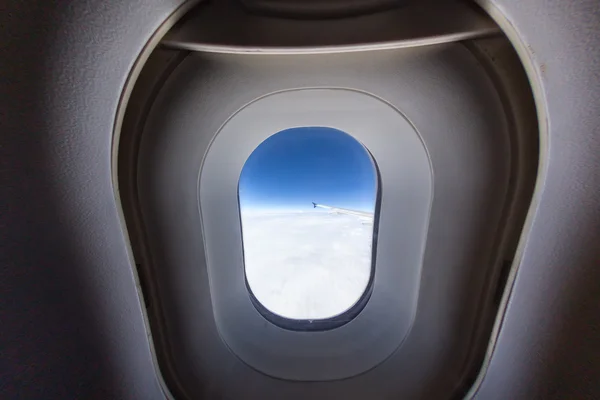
x=324, y=324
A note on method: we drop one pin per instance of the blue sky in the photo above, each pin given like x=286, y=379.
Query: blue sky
x=297, y=166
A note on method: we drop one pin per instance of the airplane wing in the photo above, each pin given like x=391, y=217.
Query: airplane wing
x=363, y=215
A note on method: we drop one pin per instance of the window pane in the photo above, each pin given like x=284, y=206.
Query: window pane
x=307, y=201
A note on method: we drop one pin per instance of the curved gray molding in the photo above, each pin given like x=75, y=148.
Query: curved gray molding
x=413, y=25
x=543, y=342
x=73, y=325
x=406, y=180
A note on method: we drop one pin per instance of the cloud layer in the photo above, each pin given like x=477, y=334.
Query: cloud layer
x=306, y=265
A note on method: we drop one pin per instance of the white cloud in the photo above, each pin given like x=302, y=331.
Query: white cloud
x=306, y=265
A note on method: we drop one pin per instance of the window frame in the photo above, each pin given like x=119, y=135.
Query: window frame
x=387, y=317
x=323, y=324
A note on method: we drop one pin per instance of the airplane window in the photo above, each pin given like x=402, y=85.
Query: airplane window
x=307, y=202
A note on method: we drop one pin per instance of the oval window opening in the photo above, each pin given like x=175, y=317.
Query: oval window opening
x=308, y=199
